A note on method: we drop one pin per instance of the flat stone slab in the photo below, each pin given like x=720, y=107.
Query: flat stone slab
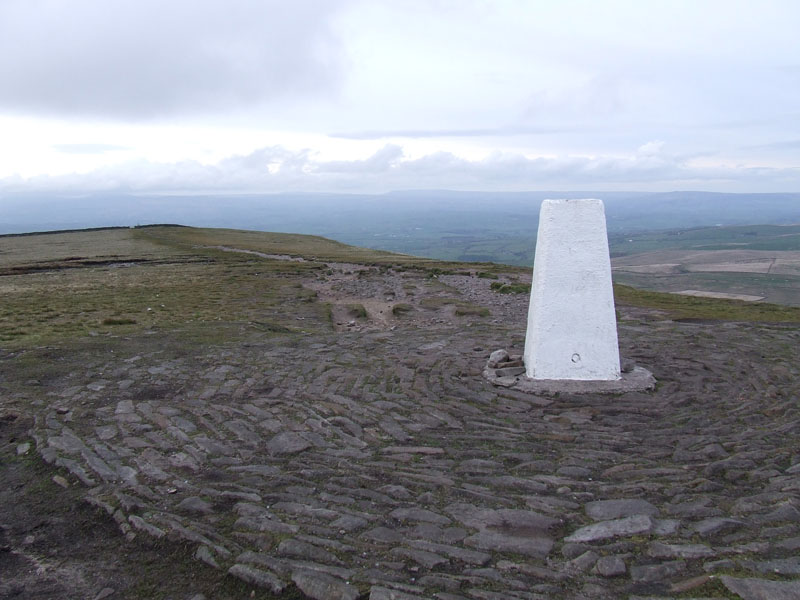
x=638, y=380
x=603, y=510
x=762, y=589
x=611, y=529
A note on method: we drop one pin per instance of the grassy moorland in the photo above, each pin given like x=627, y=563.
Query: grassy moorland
x=57, y=286
x=115, y=282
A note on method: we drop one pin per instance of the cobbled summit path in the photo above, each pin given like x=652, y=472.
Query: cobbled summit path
x=380, y=464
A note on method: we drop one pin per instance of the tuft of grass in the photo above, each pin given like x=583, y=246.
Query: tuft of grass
x=357, y=311
x=471, y=310
x=511, y=288
x=401, y=309
x=487, y=275
x=119, y=321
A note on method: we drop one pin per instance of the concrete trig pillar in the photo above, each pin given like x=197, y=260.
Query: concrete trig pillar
x=572, y=326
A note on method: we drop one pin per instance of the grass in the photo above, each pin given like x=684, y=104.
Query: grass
x=691, y=307
x=120, y=282
x=466, y=310
x=511, y=288
x=401, y=309
x=357, y=311
x=462, y=308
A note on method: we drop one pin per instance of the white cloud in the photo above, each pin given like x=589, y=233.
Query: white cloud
x=277, y=169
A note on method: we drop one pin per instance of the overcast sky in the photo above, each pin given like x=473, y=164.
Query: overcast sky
x=378, y=95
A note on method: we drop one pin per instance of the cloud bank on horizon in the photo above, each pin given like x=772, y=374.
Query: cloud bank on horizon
x=370, y=96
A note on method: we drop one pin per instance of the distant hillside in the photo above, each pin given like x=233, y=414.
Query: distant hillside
x=465, y=226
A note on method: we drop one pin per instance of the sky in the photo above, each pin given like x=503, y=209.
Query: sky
x=369, y=96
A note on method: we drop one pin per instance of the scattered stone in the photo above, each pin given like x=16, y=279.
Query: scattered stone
x=429, y=560
x=257, y=577
x=582, y=563
x=204, y=554
x=497, y=357
x=610, y=529
x=716, y=526
x=784, y=512
x=306, y=551
x=288, y=442
x=23, y=448
x=604, y=510
x=419, y=514
x=382, y=593
x=538, y=546
x=321, y=586
x=610, y=566
x=662, y=550
x=59, y=480
x=509, y=371
x=762, y=589
x=349, y=523
x=659, y=572
x=690, y=584
x=193, y=504
x=779, y=566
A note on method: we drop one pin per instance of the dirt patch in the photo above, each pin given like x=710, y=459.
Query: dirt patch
x=723, y=295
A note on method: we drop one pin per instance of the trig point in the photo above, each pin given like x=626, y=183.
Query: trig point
x=572, y=326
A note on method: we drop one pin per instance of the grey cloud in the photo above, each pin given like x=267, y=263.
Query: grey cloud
x=147, y=58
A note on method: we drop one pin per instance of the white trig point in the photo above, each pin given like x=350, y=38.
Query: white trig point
x=572, y=326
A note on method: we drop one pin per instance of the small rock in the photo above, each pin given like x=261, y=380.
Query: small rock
x=104, y=593
x=59, y=480
x=509, y=371
x=537, y=546
x=725, y=564
x=651, y=573
x=690, y=584
x=662, y=550
x=610, y=529
x=780, y=566
x=257, y=577
x=23, y=448
x=603, y=510
x=762, y=589
x=321, y=586
x=610, y=566
x=497, y=357
x=716, y=526
x=204, y=554
x=193, y=504
x=306, y=551
x=382, y=593
x=583, y=563
x=288, y=442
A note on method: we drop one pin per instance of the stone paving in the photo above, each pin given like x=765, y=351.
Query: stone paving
x=382, y=465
